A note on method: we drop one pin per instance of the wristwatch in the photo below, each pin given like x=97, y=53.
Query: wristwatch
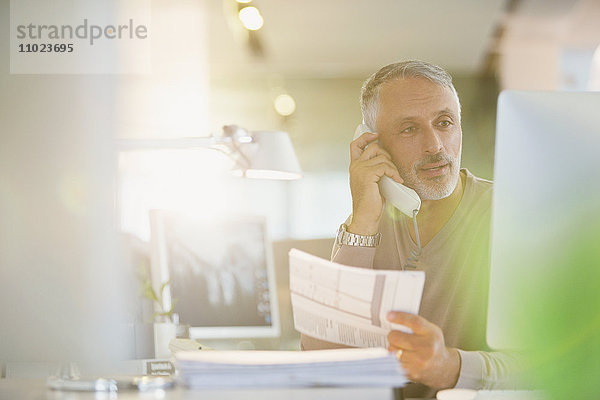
x=352, y=239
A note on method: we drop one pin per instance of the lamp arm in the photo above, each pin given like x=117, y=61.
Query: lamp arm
x=161, y=144
x=238, y=151
x=227, y=145
x=263, y=154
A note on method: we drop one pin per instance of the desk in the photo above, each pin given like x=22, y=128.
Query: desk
x=35, y=389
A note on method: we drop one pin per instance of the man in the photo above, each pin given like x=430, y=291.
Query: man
x=413, y=111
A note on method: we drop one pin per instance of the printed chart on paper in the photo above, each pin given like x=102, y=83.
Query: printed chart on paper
x=348, y=305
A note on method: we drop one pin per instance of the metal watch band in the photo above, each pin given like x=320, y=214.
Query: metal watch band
x=352, y=239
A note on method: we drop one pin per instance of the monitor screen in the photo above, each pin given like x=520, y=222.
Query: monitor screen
x=546, y=206
x=220, y=273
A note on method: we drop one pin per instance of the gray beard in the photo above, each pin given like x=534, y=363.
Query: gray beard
x=438, y=187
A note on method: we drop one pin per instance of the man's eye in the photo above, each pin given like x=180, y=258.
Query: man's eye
x=445, y=124
x=410, y=129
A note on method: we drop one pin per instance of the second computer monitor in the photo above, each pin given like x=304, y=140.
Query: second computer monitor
x=220, y=273
x=546, y=208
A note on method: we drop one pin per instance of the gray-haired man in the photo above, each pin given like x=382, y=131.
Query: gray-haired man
x=413, y=111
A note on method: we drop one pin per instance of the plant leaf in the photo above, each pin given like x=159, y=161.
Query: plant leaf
x=148, y=292
x=162, y=287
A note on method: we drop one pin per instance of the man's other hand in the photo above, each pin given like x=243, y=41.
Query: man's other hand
x=424, y=355
x=368, y=163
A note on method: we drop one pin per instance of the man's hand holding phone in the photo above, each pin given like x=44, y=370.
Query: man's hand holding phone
x=368, y=163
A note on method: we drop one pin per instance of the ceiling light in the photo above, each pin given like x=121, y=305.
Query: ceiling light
x=251, y=18
x=243, y=1
x=284, y=104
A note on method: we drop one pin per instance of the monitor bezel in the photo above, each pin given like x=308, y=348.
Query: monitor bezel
x=160, y=274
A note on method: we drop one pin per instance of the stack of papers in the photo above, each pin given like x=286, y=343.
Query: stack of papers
x=241, y=369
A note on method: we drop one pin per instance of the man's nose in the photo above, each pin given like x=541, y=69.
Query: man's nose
x=432, y=144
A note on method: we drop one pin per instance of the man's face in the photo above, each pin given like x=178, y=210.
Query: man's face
x=418, y=124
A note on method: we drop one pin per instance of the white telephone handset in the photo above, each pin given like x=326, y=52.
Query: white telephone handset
x=403, y=198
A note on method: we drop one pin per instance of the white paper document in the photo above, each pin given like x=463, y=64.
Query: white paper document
x=340, y=367
x=348, y=305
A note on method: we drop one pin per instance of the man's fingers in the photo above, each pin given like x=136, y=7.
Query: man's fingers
x=381, y=165
x=387, y=167
x=373, y=151
x=406, y=357
x=402, y=340
x=390, y=171
x=363, y=140
x=417, y=324
x=376, y=160
x=357, y=146
x=374, y=154
x=371, y=156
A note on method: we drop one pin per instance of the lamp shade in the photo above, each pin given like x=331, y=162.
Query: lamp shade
x=258, y=154
x=271, y=156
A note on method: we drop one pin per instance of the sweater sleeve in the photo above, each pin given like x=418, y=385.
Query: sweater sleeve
x=499, y=370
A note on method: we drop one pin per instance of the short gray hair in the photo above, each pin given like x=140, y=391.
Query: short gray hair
x=369, y=94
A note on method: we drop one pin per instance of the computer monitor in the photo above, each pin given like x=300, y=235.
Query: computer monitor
x=546, y=209
x=220, y=273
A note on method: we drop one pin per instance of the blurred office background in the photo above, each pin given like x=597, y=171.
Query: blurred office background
x=209, y=70
x=318, y=53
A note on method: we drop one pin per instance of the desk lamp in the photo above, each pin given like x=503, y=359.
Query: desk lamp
x=257, y=154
